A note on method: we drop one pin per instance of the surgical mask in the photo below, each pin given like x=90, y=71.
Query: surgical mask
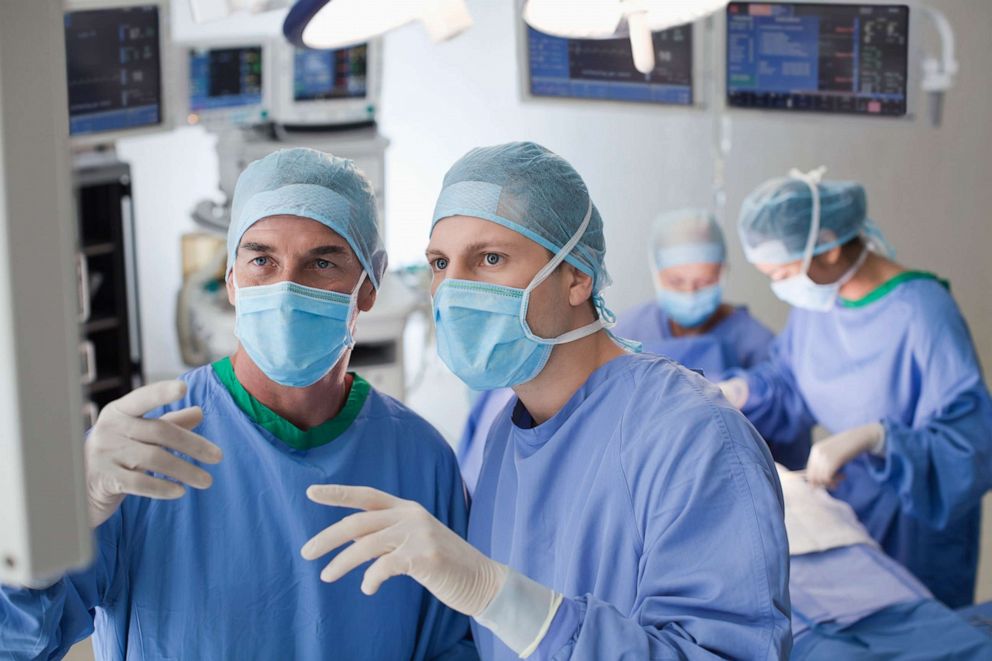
x=293, y=333
x=690, y=309
x=800, y=290
x=482, y=331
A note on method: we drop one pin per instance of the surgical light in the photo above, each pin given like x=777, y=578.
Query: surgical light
x=609, y=19
x=339, y=23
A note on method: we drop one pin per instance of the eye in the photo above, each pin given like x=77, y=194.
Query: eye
x=492, y=259
x=322, y=264
x=260, y=261
x=440, y=263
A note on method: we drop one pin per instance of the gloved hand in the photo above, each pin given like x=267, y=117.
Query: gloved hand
x=736, y=391
x=405, y=539
x=123, y=448
x=831, y=454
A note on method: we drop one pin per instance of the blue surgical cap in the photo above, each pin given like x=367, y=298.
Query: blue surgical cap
x=775, y=219
x=530, y=190
x=687, y=236
x=310, y=184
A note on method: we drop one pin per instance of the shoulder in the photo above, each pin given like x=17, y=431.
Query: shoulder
x=408, y=433
x=675, y=417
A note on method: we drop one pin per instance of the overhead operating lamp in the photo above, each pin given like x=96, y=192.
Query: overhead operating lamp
x=609, y=19
x=340, y=23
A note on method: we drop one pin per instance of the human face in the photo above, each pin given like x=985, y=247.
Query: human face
x=467, y=248
x=291, y=248
x=689, y=277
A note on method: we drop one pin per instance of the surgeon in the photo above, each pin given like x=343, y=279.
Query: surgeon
x=881, y=357
x=196, y=539
x=624, y=510
x=688, y=322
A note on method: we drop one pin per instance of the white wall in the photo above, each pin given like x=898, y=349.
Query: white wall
x=930, y=190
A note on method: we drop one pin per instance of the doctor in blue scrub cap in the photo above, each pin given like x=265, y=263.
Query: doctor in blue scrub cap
x=881, y=356
x=625, y=509
x=213, y=572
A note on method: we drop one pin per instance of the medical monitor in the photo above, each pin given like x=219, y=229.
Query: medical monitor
x=833, y=58
x=603, y=69
x=322, y=88
x=114, y=70
x=225, y=85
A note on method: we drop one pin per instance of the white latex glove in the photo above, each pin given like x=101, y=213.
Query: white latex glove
x=124, y=447
x=736, y=391
x=831, y=454
x=405, y=539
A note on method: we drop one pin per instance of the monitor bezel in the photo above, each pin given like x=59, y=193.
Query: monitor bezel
x=286, y=111
x=219, y=118
x=90, y=140
x=912, y=73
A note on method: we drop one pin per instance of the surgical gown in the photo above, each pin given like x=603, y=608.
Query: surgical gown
x=653, y=507
x=738, y=341
x=902, y=356
x=218, y=573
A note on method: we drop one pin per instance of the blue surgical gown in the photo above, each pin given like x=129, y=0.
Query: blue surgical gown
x=738, y=341
x=218, y=573
x=653, y=507
x=906, y=360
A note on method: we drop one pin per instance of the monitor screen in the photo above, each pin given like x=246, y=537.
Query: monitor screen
x=113, y=67
x=826, y=58
x=225, y=78
x=604, y=68
x=321, y=75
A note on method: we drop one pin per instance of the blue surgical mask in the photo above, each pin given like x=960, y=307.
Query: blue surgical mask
x=800, y=290
x=690, y=309
x=482, y=331
x=293, y=333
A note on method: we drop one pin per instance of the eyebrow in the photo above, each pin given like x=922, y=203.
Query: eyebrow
x=329, y=250
x=478, y=246
x=254, y=246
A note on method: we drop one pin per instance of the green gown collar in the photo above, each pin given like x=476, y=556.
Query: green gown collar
x=283, y=429
x=887, y=286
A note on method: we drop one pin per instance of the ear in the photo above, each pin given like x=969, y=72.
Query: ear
x=366, y=296
x=579, y=287
x=230, y=287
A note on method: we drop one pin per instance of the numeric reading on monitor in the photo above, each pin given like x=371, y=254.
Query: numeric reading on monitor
x=113, y=69
x=826, y=58
x=604, y=68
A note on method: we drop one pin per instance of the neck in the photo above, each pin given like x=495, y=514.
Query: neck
x=306, y=407
x=876, y=271
x=569, y=366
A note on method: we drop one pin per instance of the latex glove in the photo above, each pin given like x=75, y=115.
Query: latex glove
x=828, y=456
x=736, y=391
x=405, y=539
x=123, y=447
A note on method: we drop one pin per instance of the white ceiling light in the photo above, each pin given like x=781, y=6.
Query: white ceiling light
x=340, y=23
x=609, y=19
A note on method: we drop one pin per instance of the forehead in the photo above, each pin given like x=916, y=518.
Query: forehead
x=292, y=232
x=461, y=232
x=688, y=271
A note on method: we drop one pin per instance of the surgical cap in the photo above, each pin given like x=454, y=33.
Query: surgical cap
x=310, y=184
x=530, y=190
x=687, y=236
x=776, y=218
